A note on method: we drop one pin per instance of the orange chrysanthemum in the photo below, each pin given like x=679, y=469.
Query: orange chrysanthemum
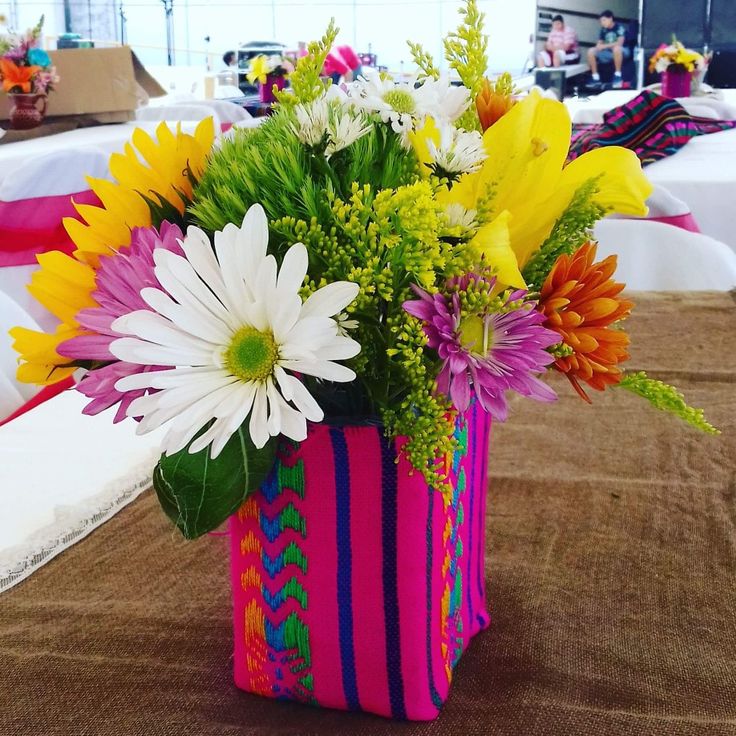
x=581, y=301
x=492, y=105
x=15, y=76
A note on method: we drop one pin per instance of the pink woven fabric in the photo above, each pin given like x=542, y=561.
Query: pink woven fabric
x=355, y=586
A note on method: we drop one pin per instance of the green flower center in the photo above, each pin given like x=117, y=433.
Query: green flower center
x=474, y=336
x=400, y=100
x=251, y=354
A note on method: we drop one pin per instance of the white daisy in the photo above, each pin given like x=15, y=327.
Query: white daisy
x=232, y=330
x=311, y=122
x=323, y=120
x=344, y=128
x=397, y=103
x=458, y=151
x=444, y=101
x=459, y=218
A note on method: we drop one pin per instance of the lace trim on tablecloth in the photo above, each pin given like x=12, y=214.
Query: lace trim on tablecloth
x=73, y=523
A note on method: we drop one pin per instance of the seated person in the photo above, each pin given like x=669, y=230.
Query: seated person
x=610, y=48
x=561, y=46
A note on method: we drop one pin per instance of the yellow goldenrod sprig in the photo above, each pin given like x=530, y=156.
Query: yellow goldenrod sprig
x=466, y=51
x=423, y=60
x=666, y=398
x=306, y=85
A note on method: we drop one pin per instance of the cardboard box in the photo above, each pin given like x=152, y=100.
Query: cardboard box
x=101, y=85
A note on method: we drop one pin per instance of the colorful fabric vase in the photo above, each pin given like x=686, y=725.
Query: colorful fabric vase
x=355, y=585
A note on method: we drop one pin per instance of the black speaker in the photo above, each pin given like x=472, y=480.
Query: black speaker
x=722, y=68
x=553, y=79
x=687, y=20
x=722, y=23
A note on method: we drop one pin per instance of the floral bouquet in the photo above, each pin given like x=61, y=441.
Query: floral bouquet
x=270, y=72
x=677, y=56
x=25, y=68
x=327, y=312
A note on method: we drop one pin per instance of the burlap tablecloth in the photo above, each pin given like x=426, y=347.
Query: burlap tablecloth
x=611, y=568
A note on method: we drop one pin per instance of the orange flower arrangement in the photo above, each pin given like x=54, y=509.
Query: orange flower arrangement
x=15, y=76
x=493, y=102
x=581, y=301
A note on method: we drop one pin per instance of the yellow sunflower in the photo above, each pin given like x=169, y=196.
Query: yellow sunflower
x=64, y=284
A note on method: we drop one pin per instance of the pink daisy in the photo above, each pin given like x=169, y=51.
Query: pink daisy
x=119, y=281
x=486, y=353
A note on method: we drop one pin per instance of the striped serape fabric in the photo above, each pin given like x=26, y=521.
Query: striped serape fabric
x=650, y=125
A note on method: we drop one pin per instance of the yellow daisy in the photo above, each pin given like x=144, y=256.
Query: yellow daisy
x=64, y=284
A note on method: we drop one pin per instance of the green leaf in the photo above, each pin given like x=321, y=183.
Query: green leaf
x=198, y=493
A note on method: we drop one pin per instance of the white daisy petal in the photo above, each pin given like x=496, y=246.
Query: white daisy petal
x=197, y=325
x=303, y=400
x=293, y=423
x=180, y=280
x=225, y=246
x=312, y=331
x=283, y=314
x=198, y=250
x=259, y=418
x=321, y=369
x=253, y=242
x=274, y=409
x=340, y=348
x=155, y=328
x=330, y=299
x=244, y=403
x=293, y=269
x=137, y=351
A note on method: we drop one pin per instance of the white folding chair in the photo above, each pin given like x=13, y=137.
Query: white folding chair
x=659, y=257
x=13, y=394
x=177, y=111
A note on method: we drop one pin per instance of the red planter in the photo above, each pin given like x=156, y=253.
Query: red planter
x=25, y=112
x=266, y=90
x=676, y=83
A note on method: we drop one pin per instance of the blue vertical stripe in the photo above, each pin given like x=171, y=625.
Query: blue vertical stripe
x=389, y=531
x=344, y=568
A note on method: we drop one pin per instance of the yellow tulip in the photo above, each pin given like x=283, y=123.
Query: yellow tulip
x=259, y=69
x=525, y=174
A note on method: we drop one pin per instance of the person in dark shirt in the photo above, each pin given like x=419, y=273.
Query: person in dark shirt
x=610, y=47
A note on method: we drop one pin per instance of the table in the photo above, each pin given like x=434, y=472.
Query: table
x=61, y=474
x=610, y=568
x=105, y=138
x=703, y=174
x=590, y=110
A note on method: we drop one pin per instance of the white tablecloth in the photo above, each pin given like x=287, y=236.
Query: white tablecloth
x=590, y=110
x=105, y=138
x=61, y=475
x=703, y=174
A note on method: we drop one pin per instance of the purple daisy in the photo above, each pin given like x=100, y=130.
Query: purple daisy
x=486, y=353
x=119, y=280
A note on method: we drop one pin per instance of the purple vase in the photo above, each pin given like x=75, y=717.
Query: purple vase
x=676, y=83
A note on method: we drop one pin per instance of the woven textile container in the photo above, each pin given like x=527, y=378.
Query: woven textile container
x=355, y=585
